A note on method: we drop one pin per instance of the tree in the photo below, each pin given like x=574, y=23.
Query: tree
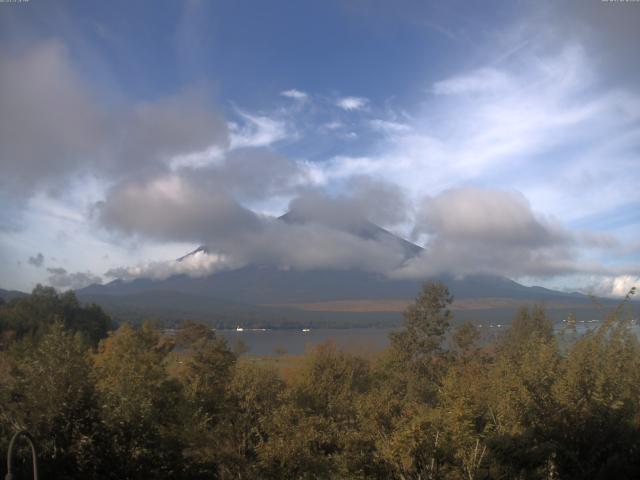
x=49, y=393
x=254, y=394
x=522, y=402
x=34, y=314
x=528, y=325
x=463, y=408
x=598, y=390
x=316, y=431
x=139, y=403
x=417, y=360
x=203, y=367
x=426, y=322
x=464, y=340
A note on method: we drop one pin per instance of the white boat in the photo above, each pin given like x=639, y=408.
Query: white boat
x=305, y=330
x=239, y=329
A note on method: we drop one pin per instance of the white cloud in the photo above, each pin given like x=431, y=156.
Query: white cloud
x=334, y=125
x=211, y=156
x=541, y=122
x=352, y=103
x=484, y=80
x=295, y=94
x=257, y=131
x=198, y=264
x=614, y=286
x=389, y=127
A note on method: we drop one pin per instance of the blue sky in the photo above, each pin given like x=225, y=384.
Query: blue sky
x=502, y=136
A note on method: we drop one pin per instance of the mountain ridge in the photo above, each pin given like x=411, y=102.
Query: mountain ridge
x=262, y=293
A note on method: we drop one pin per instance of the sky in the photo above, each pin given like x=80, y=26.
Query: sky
x=503, y=137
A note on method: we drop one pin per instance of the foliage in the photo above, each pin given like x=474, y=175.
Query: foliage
x=47, y=392
x=34, y=314
x=437, y=404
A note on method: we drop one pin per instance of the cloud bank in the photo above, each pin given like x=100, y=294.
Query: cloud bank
x=461, y=173
x=54, y=127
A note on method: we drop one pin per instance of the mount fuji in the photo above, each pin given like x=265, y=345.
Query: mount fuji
x=266, y=295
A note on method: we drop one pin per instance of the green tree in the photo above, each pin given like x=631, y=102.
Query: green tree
x=316, y=432
x=416, y=359
x=463, y=411
x=254, y=394
x=203, y=367
x=34, y=314
x=139, y=403
x=522, y=404
x=598, y=394
x=47, y=391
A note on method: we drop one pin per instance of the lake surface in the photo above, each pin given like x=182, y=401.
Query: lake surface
x=295, y=341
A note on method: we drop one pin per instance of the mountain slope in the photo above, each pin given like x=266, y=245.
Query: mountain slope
x=7, y=295
x=269, y=295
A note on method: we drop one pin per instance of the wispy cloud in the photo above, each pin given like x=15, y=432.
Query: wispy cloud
x=256, y=131
x=484, y=80
x=507, y=126
x=352, y=103
x=390, y=127
x=524, y=163
x=295, y=94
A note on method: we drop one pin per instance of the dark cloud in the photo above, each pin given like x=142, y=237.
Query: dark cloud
x=479, y=215
x=49, y=121
x=317, y=206
x=60, y=278
x=609, y=31
x=200, y=204
x=321, y=231
x=156, y=131
x=381, y=202
x=56, y=271
x=472, y=230
x=36, y=261
x=365, y=200
x=175, y=207
x=467, y=230
x=315, y=245
x=53, y=125
x=258, y=173
x=287, y=246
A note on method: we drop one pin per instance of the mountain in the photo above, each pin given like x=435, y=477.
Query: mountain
x=366, y=230
x=266, y=295
x=7, y=295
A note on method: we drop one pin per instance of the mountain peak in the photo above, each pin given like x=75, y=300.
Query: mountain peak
x=364, y=229
x=201, y=249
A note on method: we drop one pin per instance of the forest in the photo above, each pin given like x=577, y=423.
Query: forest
x=129, y=402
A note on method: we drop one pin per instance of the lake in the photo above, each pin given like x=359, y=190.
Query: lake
x=296, y=341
